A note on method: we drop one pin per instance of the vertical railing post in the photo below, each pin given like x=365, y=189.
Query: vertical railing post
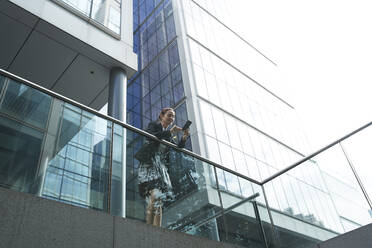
x=259, y=222
x=356, y=176
x=91, y=9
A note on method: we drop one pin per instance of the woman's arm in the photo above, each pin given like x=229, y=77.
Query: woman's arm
x=185, y=135
x=156, y=129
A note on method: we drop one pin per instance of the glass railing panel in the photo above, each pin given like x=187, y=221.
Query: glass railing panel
x=117, y=190
x=135, y=204
x=20, y=147
x=186, y=191
x=319, y=199
x=2, y=82
x=66, y=153
x=53, y=149
x=203, y=226
x=23, y=116
x=346, y=193
x=357, y=148
x=241, y=225
x=79, y=170
x=25, y=104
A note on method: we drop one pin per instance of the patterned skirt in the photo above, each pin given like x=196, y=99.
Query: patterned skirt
x=154, y=175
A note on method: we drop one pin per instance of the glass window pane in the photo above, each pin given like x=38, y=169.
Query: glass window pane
x=240, y=162
x=207, y=119
x=213, y=150
x=219, y=122
x=80, y=5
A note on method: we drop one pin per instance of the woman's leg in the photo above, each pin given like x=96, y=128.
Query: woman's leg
x=154, y=208
x=149, y=210
x=158, y=213
x=157, y=207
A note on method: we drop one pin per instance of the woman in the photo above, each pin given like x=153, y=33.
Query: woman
x=153, y=177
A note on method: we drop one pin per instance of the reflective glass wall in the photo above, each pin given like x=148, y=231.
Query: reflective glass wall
x=104, y=12
x=245, y=126
x=58, y=151
x=158, y=82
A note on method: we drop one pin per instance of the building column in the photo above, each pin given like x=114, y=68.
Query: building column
x=117, y=109
x=117, y=94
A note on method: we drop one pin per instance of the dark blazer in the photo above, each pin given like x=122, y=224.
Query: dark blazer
x=156, y=129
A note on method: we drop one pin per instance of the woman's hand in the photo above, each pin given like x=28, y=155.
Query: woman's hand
x=175, y=129
x=186, y=134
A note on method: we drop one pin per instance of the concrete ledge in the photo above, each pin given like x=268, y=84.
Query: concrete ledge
x=30, y=221
x=359, y=238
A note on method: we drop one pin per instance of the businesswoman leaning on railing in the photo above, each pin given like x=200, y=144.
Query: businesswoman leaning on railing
x=153, y=178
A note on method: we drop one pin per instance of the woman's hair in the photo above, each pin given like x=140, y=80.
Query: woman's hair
x=163, y=112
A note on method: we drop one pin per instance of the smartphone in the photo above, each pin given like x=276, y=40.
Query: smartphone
x=187, y=125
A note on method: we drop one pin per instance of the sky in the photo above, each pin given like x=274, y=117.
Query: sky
x=324, y=52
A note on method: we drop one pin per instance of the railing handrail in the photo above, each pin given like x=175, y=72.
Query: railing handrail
x=125, y=125
x=169, y=144
x=314, y=154
x=225, y=211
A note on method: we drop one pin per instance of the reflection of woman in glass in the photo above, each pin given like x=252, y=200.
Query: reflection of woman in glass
x=153, y=177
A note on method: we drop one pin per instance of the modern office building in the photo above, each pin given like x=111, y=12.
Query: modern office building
x=138, y=57
x=194, y=58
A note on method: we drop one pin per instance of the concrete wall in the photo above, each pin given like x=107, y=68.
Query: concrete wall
x=359, y=238
x=29, y=221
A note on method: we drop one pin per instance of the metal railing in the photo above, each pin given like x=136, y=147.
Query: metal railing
x=281, y=172
x=123, y=124
x=196, y=156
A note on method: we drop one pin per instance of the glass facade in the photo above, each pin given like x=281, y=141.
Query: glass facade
x=243, y=125
x=158, y=82
x=103, y=12
x=248, y=129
